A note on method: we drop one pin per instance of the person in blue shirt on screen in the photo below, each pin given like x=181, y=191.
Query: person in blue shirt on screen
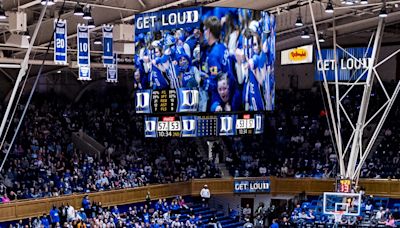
x=225, y=101
x=189, y=75
x=158, y=76
x=216, y=60
x=254, y=75
x=193, y=38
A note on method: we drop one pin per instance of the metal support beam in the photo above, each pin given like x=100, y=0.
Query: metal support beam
x=364, y=103
x=22, y=72
x=325, y=82
x=52, y=63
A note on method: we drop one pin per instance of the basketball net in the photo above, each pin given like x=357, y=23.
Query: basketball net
x=338, y=216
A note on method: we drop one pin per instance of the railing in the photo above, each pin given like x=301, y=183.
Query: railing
x=290, y=186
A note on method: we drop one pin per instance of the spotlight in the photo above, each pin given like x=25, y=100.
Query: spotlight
x=91, y=24
x=87, y=15
x=48, y=2
x=364, y=2
x=299, y=22
x=27, y=35
x=329, y=7
x=97, y=41
x=78, y=10
x=321, y=38
x=383, y=12
x=349, y=2
x=305, y=34
x=3, y=15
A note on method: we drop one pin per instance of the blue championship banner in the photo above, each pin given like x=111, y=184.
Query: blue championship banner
x=168, y=20
x=251, y=186
x=112, y=71
x=84, y=73
x=108, y=54
x=83, y=45
x=60, y=41
x=352, y=64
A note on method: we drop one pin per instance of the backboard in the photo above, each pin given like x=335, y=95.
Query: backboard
x=344, y=203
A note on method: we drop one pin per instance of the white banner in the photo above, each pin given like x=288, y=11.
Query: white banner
x=297, y=55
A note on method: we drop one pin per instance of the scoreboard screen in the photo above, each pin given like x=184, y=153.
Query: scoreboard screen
x=203, y=125
x=344, y=185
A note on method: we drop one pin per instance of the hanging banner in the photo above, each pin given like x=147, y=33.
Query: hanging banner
x=108, y=54
x=112, y=71
x=84, y=73
x=83, y=44
x=352, y=63
x=60, y=42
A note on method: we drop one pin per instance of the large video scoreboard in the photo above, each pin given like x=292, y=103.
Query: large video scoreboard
x=203, y=125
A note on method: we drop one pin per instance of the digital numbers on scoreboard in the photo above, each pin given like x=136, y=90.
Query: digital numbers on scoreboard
x=344, y=185
x=203, y=125
x=169, y=127
x=163, y=101
x=207, y=125
x=245, y=124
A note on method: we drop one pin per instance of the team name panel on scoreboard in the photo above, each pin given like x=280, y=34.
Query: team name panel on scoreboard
x=203, y=125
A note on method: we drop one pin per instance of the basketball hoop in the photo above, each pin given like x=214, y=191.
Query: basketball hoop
x=338, y=216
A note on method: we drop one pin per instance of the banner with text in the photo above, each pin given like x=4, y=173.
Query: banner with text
x=352, y=63
x=251, y=186
x=83, y=45
x=60, y=42
x=168, y=20
x=297, y=55
x=108, y=54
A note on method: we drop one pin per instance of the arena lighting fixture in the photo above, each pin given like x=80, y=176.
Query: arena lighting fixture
x=383, y=12
x=87, y=15
x=329, y=7
x=97, y=41
x=305, y=34
x=364, y=2
x=78, y=10
x=91, y=24
x=349, y=2
x=321, y=38
x=48, y=2
x=3, y=15
x=27, y=35
x=299, y=22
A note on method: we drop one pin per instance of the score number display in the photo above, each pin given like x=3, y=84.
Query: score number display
x=203, y=125
x=344, y=185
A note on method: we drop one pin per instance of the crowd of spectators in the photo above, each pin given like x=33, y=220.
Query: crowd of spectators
x=156, y=214
x=44, y=162
x=297, y=143
x=299, y=138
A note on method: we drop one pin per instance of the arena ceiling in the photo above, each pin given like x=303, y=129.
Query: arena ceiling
x=354, y=24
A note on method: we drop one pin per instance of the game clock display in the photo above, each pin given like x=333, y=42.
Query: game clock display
x=203, y=125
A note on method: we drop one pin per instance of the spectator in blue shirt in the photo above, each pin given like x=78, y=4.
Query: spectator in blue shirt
x=54, y=215
x=45, y=222
x=274, y=224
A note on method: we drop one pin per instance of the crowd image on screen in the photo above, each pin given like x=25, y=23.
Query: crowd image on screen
x=229, y=59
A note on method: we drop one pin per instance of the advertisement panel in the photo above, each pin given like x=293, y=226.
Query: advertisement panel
x=299, y=55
